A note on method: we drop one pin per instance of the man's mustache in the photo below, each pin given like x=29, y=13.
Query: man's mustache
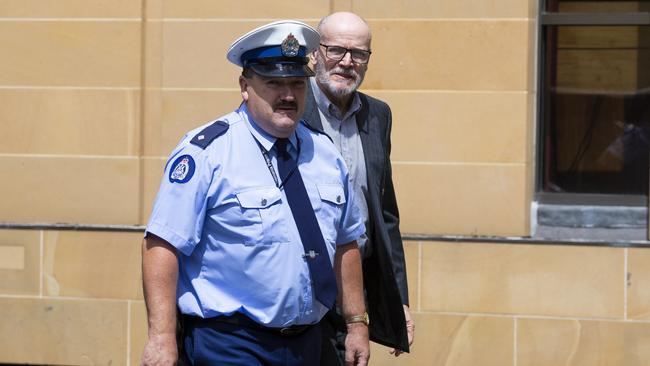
x=287, y=105
x=350, y=73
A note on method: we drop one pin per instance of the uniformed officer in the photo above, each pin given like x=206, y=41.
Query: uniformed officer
x=253, y=232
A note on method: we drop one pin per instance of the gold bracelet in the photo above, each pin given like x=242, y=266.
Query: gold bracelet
x=358, y=319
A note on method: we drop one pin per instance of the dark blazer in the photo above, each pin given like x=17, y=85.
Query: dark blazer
x=384, y=271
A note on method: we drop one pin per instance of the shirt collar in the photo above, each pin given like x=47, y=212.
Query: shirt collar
x=329, y=108
x=263, y=138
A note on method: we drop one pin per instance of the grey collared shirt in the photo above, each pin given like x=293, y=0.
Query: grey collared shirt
x=344, y=132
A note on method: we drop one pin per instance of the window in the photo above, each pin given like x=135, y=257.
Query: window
x=594, y=119
x=594, y=102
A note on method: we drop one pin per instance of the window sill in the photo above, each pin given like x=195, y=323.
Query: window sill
x=601, y=222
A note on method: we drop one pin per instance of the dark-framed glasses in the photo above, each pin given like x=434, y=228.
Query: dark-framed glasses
x=336, y=53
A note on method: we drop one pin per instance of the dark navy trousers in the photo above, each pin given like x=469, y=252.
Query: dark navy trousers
x=232, y=344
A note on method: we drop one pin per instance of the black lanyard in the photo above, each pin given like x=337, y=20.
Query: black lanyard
x=269, y=164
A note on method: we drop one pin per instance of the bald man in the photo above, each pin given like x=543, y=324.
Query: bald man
x=360, y=127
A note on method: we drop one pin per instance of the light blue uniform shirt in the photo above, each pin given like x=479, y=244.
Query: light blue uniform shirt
x=240, y=250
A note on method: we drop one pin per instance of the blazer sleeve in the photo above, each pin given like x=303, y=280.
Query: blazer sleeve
x=390, y=214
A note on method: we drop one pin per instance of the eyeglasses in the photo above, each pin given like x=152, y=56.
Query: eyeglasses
x=337, y=53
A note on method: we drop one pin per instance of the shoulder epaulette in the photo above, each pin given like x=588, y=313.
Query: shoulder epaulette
x=208, y=134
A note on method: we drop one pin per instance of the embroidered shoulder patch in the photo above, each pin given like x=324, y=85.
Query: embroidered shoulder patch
x=182, y=169
x=208, y=134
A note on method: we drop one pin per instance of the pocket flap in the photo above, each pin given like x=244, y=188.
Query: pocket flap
x=332, y=193
x=261, y=197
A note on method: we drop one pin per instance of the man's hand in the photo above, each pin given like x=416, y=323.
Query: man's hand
x=410, y=330
x=160, y=351
x=357, y=348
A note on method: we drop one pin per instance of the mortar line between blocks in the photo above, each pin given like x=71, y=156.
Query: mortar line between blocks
x=128, y=333
x=515, y=346
x=625, y=282
x=419, y=299
x=41, y=273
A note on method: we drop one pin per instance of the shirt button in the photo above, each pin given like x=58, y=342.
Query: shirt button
x=263, y=202
x=338, y=199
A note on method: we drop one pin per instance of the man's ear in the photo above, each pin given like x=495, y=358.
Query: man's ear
x=243, y=87
x=312, y=57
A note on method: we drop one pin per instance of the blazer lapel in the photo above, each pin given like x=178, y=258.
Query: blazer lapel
x=363, y=125
x=311, y=115
x=372, y=145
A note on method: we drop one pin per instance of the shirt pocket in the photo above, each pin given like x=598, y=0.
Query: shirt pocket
x=330, y=208
x=261, y=210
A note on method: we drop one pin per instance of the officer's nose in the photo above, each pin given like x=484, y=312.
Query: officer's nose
x=287, y=93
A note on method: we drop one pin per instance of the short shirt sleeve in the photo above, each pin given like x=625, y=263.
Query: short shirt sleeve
x=351, y=225
x=179, y=209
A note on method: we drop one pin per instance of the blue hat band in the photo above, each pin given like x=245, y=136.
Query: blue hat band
x=270, y=51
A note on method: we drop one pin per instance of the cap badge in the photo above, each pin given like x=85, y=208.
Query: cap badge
x=290, y=46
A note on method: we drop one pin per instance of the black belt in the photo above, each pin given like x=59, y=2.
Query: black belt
x=244, y=321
